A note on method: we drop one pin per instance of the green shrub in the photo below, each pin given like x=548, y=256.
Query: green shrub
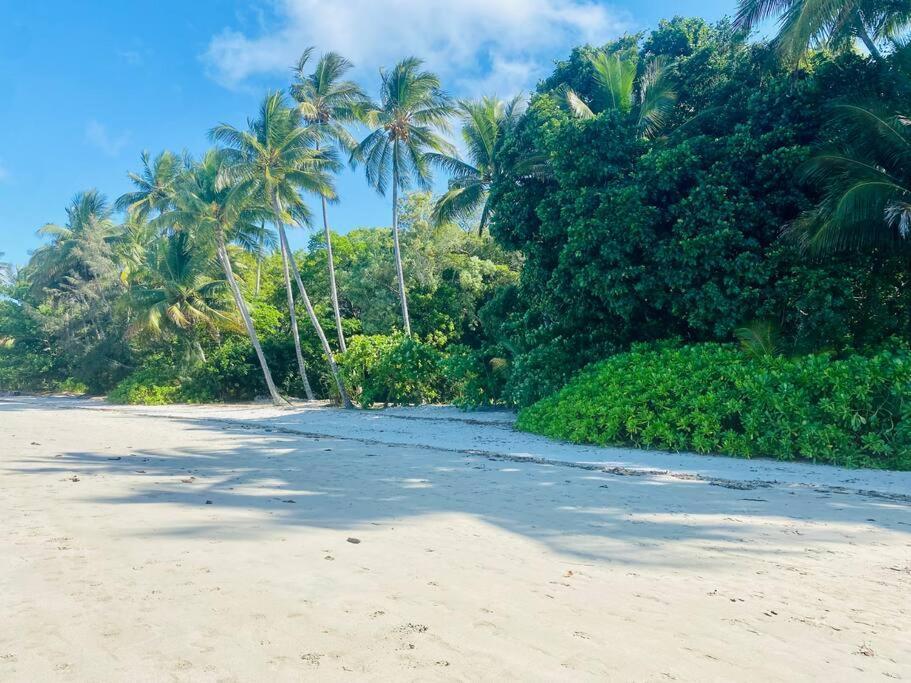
x=393, y=369
x=474, y=378
x=712, y=398
x=152, y=385
x=231, y=373
x=161, y=382
x=72, y=386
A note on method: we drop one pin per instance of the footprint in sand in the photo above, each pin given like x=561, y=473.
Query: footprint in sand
x=312, y=658
x=412, y=628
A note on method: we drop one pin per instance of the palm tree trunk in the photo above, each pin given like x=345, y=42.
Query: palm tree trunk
x=248, y=321
x=333, y=366
x=290, y=295
x=866, y=39
x=395, y=238
x=333, y=290
x=198, y=347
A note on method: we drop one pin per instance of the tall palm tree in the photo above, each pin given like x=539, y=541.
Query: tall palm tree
x=804, y=24
x=217, y=214
x=407, y=123
x=155, y=185
x=484, y=123
x=88, y=215
x=276, y=160
x=649, y=98
x=328, y=103
x=865, y=184
x=174, y=291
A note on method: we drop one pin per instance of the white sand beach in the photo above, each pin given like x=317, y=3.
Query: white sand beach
x=248, y=543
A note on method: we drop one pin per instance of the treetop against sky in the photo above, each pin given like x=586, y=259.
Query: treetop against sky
x=87, y=87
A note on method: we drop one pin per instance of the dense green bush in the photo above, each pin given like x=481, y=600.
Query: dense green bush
x=72, y=386
x=231, y=373
x=474, y=378
x=393, y=369
x=628, y=240
x=154, y=384
x=712, y=398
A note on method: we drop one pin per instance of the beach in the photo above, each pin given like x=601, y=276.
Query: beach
x=240, y=543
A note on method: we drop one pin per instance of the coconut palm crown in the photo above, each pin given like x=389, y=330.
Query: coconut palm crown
x=328, y=102
x=408, y=122
x=154, y=184
x=175, y=291
x=276, y=159
x=484, y=123
x=88, y=217
x=806, y=24
x=650, y=97
x=865, y=184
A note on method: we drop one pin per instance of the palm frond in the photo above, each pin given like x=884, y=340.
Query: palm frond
x=577, y=106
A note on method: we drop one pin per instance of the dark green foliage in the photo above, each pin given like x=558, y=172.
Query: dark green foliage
x=605, y=235
x=627, y=240
x=450, y=273
x=155, y=384
x=393, y=369
x=26, y=362
x=474, y=379
x=230, y=372
x=711, y=398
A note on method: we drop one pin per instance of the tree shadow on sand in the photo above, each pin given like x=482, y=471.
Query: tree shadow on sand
x=255, y=481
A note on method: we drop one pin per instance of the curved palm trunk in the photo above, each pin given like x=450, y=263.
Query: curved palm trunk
x=395, y=239
x=866, y=39
x=248, y=321
x=330, y=357
x=333, y=291
x=302, y=368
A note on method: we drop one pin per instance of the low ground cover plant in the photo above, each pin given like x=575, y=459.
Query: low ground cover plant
x=713, y=398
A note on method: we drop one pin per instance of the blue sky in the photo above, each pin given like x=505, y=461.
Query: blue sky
x=86, y=87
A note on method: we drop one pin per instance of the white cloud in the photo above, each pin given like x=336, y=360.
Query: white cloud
x=500, y=46
x=99, y=136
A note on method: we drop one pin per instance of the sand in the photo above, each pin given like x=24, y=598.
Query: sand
x=249, y=543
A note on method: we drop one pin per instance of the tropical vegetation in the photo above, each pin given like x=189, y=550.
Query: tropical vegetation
x=686, y=239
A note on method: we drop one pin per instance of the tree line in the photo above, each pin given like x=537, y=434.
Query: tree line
x=683, y=184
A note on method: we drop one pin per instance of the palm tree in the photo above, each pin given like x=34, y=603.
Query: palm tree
x=174, y=291
x=132, y=245
x=328, y=103
x=406, y=124
x=865, y=184
x=804, y=24
x=154, y=184
x=88, y=216
x=649, y=98
x=276, y=159
x=217, y=214
x=484, y=123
